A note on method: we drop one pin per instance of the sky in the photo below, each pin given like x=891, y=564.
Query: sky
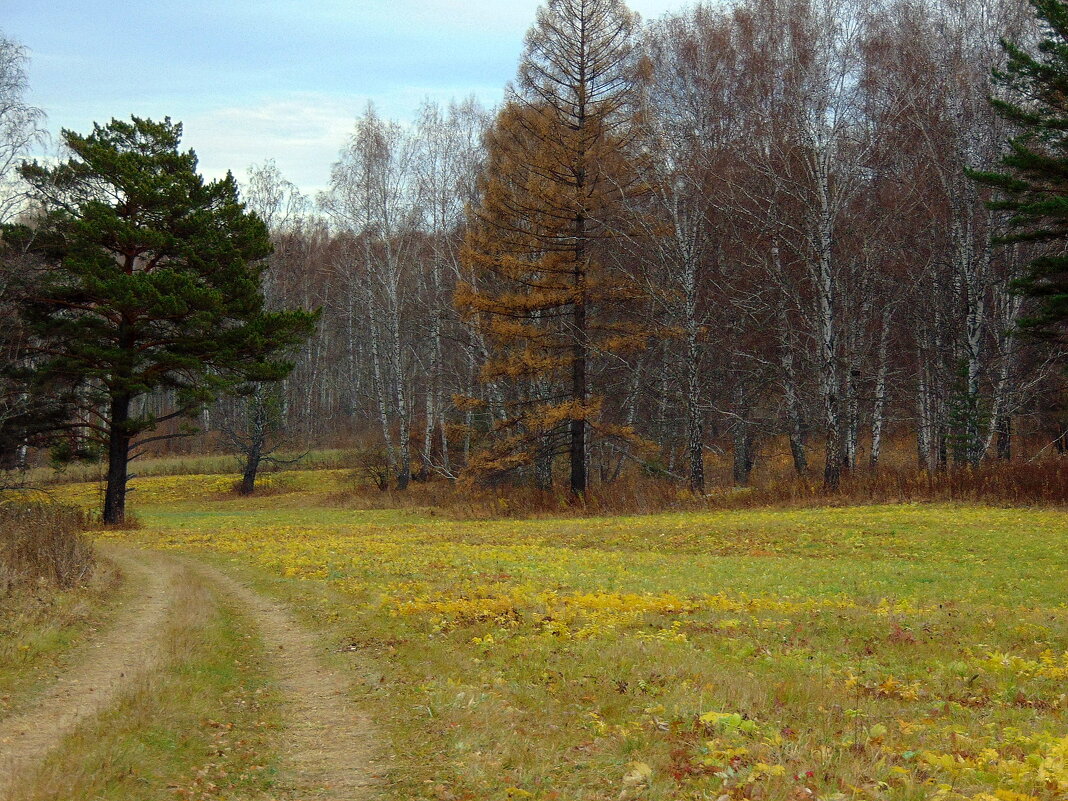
x=253, y=80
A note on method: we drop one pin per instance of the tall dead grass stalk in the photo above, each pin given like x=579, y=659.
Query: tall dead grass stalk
x=1037, y=483
x=43, y=543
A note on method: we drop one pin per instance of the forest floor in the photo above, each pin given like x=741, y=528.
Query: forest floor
x=876, y=652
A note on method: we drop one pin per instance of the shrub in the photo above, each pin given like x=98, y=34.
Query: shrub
x=43, y=543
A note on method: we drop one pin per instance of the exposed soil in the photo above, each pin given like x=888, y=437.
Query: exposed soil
x=328, y=745
x=126, y=650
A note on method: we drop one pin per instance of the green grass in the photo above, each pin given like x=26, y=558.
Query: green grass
x=883, y=652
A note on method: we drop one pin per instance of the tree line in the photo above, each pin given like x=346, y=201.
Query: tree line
x=763, y=214
x=775, y=224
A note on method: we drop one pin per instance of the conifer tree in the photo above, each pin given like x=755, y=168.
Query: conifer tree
x=154, y=285
x=1035, y=185
x=558, y=173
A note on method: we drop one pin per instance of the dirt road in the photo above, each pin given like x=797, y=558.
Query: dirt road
x=327, y=745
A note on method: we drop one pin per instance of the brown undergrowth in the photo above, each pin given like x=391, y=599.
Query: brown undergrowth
x=43, y=543
x=1021, y=483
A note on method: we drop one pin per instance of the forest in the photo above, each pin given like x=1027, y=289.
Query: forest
x=728, y=238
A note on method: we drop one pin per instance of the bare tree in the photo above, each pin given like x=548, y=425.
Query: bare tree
x=20, y=123
x=373, y=197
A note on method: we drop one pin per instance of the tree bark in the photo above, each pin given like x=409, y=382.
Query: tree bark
x=252, y=467
x=826, y=297
x=694, y=421
x=579, y=390
x=118, y=460
x=743, y=453
x=878, y=414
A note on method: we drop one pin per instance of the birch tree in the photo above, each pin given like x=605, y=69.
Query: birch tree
x=371, y=196
x=20, y=123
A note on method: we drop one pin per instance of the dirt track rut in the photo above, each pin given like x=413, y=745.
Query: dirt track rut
x=124, y=652
x=328, y=746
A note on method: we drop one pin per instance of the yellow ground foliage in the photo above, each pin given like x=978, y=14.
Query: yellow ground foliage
x=885, y=652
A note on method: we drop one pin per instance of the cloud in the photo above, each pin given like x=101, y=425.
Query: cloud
x=260, y=79
x=302, y=133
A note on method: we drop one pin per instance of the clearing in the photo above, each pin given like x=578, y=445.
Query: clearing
x=882, y=652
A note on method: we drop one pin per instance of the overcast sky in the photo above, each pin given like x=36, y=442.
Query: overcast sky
x=259, y=79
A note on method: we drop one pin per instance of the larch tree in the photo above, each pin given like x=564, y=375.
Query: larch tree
x=154, y=286
x=559, y=171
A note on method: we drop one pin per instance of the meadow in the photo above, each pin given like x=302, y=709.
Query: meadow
x=866, y=652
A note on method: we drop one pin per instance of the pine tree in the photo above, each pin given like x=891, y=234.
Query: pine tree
x=1035, y=185
x=558, y=173
x=154, y=286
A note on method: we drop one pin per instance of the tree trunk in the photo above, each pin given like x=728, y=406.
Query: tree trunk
x=436, y=390
x=973, y=270
x=697, y=452
x=826, y=297
x=1004, y=437
x=694, y=423
x=1009, y=304
x=832, y=466
x=118, y=460
x=878, y=413
x=795, y=413
x=381, y=387
x=252, y=467
x=942, y=443
x=543, y=465
x=743, y=453
x=400, y=399
x=788, y=346
x=633, y=388
x=852, y=421
x=579, y=391
x=429, y=416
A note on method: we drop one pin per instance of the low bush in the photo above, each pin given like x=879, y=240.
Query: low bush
x=42, y=542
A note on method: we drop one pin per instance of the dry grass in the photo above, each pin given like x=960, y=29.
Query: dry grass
x=1038, y=483
x=43, y=629
x=190, y=464
x=43, y=544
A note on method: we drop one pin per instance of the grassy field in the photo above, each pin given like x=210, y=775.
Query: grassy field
x=884, y=652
